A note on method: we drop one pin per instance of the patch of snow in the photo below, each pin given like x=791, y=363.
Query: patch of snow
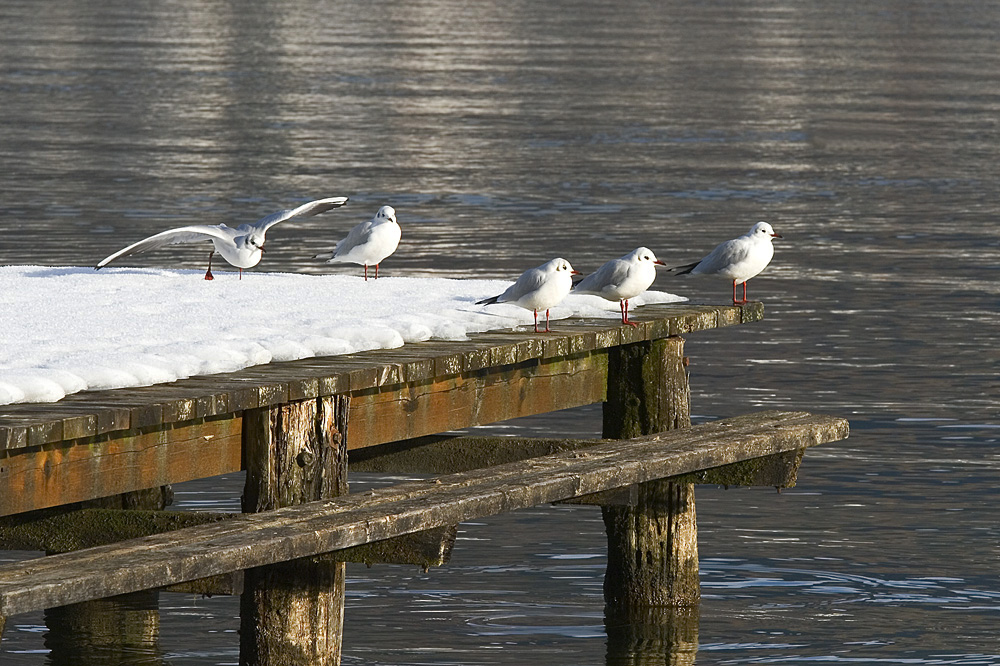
x=68, y=329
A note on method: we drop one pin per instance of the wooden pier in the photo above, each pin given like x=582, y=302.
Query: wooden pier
x=87, y=477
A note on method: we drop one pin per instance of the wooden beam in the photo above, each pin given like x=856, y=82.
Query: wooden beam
x=447, y=454
x=483, y=396
x=54, y=475
x=320, y=527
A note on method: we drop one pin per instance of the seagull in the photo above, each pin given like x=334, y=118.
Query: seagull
x=621, y=279
x=369, y=242
x=241, y=247
x=738, y=259
x=538, y=289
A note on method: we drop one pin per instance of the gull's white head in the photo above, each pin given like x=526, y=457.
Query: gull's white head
x=644, y=254
x=763, y=230
x=386, y=213
x=254, y=242
x=560, y=265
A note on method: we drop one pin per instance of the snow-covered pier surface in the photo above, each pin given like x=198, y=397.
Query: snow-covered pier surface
x=70, y=329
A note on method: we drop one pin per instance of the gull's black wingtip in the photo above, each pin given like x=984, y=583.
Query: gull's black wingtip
x=488, y=301
x=683, y=270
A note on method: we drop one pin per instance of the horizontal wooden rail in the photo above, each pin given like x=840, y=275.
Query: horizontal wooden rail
x=325, y=526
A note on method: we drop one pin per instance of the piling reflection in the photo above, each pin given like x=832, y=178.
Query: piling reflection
x=653, y=636
x=117, y=631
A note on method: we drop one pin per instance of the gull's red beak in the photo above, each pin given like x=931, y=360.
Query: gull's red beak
x=776, y=236
x=659, y=263
x=575, y=273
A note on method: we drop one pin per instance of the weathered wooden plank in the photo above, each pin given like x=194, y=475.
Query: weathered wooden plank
x=62, y=531
x=320, y=527
x=486, y=396
x=17, y=421
x=54, y=475
x=447, y=454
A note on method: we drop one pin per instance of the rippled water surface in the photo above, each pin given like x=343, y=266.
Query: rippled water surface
x=508, y=133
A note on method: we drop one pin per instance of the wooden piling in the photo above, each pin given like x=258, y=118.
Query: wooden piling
x=652, y=542
x=292, y=612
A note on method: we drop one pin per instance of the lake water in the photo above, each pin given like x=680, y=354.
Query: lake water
x=508, y=133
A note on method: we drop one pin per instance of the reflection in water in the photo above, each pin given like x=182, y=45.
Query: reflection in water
x=107, y=632
x=506, y=135
x=659, y=637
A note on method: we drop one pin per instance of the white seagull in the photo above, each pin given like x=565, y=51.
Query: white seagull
x=368, y=243
x=738, y=259
x=241, y=247
x=623, y=278
x=538, y=288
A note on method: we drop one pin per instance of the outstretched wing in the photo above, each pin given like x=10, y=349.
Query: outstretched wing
x=305, y=210
x=201, y=232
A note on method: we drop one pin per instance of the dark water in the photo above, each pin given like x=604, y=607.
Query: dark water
x=505, y=134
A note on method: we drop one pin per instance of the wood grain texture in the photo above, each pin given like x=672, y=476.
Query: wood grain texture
x=653, y=537
x=60, y=474
x=319, y=527
x=488, y=395
x=292, y=610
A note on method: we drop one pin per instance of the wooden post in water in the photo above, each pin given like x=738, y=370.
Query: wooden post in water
x=651, y=589
x=292, y=612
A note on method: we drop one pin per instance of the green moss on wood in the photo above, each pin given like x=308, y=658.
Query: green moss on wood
x=779, y=471
x=62, y=532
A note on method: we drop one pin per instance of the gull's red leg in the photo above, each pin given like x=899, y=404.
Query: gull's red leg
x=536, y=320
x=625, y=319
x=546, y=321
x=208, y=273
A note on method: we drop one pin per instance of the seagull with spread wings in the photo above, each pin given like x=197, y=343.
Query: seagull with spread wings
x=241, y=247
